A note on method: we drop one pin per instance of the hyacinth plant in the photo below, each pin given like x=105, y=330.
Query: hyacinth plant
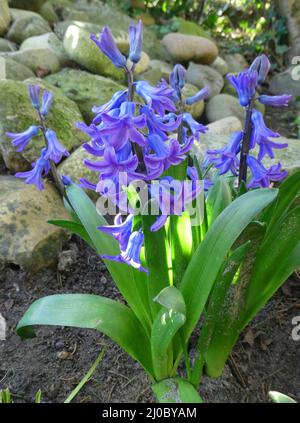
x=192, y=241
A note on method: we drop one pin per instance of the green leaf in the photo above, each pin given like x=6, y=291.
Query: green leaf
x=74, y=227
x=219, y=197
x=91, y=312
x=281, y=398
x=166, y=324
x=176, y=390
x=105, y=244
x=206, y=263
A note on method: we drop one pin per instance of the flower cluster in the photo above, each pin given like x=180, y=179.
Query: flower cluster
x=134, y=138
x=229, y=158
x=53, y=150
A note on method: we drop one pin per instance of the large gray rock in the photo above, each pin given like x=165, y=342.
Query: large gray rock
x=83, y=50
x=202, y=76
x=6, y=45
x=222, y=106
x=17, y=114
x=25, y=25
x=185, y=48
x=236, y=62
x=40, y=61
x=48, y=41
x=4, y=16
x=86, y=89
x=287, y=82
x=14, y=70
x=26, y=239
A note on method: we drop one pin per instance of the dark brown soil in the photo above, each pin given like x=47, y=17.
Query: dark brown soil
x=265, y=358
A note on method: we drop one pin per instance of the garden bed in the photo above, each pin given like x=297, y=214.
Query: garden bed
x=266, y=357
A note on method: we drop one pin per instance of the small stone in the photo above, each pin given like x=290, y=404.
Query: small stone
x=15, y=70
x=202, y=76
x=164, y=67
x=2, y=328
x=185, y=48
x=153, y=76
x=59, y=345
x=236, y=62
x=226, y=125
x=224, y=105
x=196, y=109
x=6, y=45
x=220, y=65
x=5, y=16
x=25, y=25
x=103, y=280
x=40, y=61
x=66, y=259
x=63, y=355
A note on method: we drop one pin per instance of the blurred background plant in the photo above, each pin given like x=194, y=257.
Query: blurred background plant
x=248, y=27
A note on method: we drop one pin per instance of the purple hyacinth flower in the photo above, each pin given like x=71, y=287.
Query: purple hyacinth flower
x=259, y=127
x=135, y=41
x=120, y=230
x=275, y=100
x=123, y=128
x=131, y=255
x=46, y=102
x=66, y=180
x=195, y=127
x=55, y=151
x=178, y=79
x=34, y=94
x=21, y=139
x=160, y=125
x=112, y=164
x=261, y=65
x=192, y=173
x=225, y=159
x=200, y=95
x=245, y=84
x=262, y=177
x=107, y=45
x=266, y=146
x=114, y=103
x=158, y=98
x=34, y=176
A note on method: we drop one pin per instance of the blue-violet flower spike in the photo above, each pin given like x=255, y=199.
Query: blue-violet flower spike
x=262, y=177
x=34, y=176
x=55, y=151
x=245, y=85
x=201, y=95
x=178, y=79
x=34, y=94
x=262, y=66
x=275, y=100
x=46, y=102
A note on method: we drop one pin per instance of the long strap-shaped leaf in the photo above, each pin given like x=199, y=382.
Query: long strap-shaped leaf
x=166, y=324
x=92, y=312
x=209, y=257
x=106, y=244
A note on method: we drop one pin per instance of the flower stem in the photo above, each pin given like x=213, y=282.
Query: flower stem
x=245, y=145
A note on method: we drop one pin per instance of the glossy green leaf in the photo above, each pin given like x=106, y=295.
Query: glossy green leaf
x=166, y=324
x=281, y=398
x=176, y=390
x=206, y=263
x=90, y=312
x=219, y=197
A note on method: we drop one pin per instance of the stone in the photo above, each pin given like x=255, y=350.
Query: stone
x=26, y=239
x=40, y=61
x=33, y=5
x=153, y=76
x=224, y=105
x=5, y=16
x=48, y=12
x=25, y=25
x=287, y=82
x=196, y=109
x=227, y=125
x=192, y=28
x=142, y=65
x=220, y=65
x=15, y=70
x=202, y=76
x=236, y=62
x=185, y=48
x=86, y=89
x=74, y=168
x=6, y=45
x=228, y=88
x=48, y=41
x=288, y=157
x=164, y=67
x=17, y=114
x=84, y=51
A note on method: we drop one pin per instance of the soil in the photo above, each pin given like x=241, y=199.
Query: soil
x=266, y=357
